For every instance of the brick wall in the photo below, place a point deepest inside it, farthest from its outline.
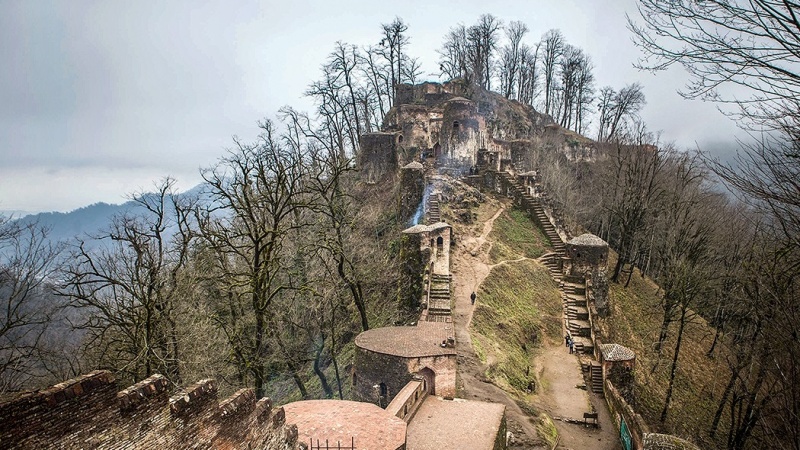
(412, 188)
(371, 369)
(378, 157)
(444, 367)
(89, 412)
(620, 409)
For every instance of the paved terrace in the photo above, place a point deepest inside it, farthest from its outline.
(456, 424)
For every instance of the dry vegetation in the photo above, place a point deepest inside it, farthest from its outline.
(634, 322)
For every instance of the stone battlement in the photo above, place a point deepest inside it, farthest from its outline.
(90, 412)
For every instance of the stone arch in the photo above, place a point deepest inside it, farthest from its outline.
(440, 243)
(400, 139)
(429, 379)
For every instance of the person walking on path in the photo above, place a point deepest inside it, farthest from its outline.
(566, 340)
(472, 297)
(571, 345)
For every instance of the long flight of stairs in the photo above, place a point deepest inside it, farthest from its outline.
(596, 377)
(439, 308)
(576, 313)
(534, 206)
(573, 289)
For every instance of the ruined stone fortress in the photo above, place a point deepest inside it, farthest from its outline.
(404, 377)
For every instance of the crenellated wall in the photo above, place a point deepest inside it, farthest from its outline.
(90, 412)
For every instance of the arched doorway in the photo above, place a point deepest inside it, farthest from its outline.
(440, 243)
(430, 379)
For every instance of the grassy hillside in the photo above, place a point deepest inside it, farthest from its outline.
(515, 236)
(634, 322)
(519, 303)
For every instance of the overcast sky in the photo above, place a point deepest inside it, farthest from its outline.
(100, 99)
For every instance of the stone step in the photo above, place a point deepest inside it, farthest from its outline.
(578, 327)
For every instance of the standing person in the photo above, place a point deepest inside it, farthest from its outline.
(571, 345)
(566, 340)
(472, 297)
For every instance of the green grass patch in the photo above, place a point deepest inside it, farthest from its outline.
(546, 430)
(518, 304)
(515, 236)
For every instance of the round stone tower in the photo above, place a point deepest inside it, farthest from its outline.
(460, 132)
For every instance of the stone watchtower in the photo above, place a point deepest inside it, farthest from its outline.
(587, 256)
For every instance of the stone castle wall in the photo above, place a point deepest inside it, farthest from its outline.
(379, 156)
(90, 412)
(396, 371)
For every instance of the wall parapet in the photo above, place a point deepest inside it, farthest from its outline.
(408, 400)
(142, 392)
(621, 410)
(90, 412)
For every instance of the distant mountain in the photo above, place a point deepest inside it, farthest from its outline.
(80, 222)
(88, 220)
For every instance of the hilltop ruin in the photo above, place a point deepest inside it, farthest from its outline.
(434, 131)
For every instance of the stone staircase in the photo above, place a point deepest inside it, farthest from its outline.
(439, 300)
(552, 261)
(534, 206)
(596, 377)
(434, 213)
(576, 314)
(573, 289)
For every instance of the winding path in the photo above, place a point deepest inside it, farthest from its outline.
(561, 375)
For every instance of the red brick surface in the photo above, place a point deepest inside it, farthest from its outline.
(371, 427)
(425, 339)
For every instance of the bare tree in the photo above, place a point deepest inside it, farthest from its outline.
(552, 45)
(605, 111)
(468, 53)
(453, 55)
(577, 86)
(750, 44)
(27, 262)
(126, 285)
(511, 59)
(746, 53)
(483, 40)
(528, 79)
(256, 189)
(616, 108)
(392, 48)
(632, 169)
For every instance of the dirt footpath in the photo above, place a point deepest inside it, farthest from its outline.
(559, 372)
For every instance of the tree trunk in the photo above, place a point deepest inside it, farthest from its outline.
(257, 364)
(674, 367)
(323, 380)
(725, 394)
